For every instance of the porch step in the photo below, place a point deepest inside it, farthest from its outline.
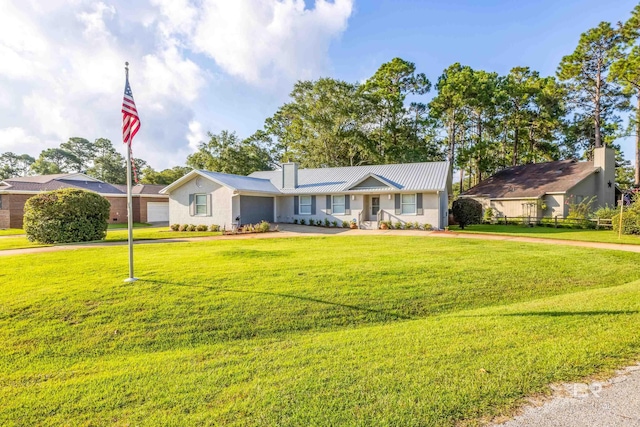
(369, 225)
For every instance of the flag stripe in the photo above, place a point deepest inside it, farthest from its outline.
(130, 119)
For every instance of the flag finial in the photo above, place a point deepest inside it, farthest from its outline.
(126, 68)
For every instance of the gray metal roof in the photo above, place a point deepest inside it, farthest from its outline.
(242, 183)
(430, 176)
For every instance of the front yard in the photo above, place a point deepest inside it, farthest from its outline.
(115, 235)
(354, 330)
(602, 236)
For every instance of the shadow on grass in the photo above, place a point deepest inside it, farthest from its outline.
(556, 313)
(290, 296)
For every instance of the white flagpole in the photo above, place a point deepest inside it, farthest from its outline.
(131, 278)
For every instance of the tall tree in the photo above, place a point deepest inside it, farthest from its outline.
(626, 71)
(13, 165)
(108, 164)
(586, 71)
(83, 151)
(392, 126)
(55, 160)
(163, 177)
(227, 153)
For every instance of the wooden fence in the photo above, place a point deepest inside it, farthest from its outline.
(556, 222)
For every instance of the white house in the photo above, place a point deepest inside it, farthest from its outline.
(413, 192)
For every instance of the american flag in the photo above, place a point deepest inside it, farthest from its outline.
(130, 119)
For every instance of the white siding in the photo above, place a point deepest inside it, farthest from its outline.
(221, 211)
(431, 204)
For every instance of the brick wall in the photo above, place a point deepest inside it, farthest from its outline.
(4, 218)
(118, 211)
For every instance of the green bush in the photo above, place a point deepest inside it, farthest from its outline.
(175, 227)
(327, 223)
(467, 212)
(295, 221)
(345, 224)
(398, 225)
(630, 220)
(606, 212)
(201, 227)
(214, 227)
(184, 227)
(334, 223)
(489, 213)
(263, 227)
(302, 221)
(65, 216)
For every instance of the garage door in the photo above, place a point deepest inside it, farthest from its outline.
(254, 209)
(157, 212)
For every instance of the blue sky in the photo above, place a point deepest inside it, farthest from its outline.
(219, 64)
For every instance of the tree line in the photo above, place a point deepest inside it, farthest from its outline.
(479, 120)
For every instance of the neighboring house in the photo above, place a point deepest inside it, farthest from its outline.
(546, 189)
(414, 192)
(148, 205)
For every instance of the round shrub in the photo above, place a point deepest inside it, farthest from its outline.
(66, 216)
(630, 220)
(467, 212)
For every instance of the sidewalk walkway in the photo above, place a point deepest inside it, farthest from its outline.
(611, 403)
(290, 230)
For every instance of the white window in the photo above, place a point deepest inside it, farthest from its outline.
(408, 204)
(201, 204)
(305, 205)
(337, 205)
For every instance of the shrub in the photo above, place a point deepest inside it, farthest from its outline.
(345, 224)
(65, 216)
(175, 227)
(416, 225)
(302, 221)
(295, 221)
(488, 214)
(202, 227)
(184, 227)
(327, 223)
(606, 212)
(427, 227)
(630, 220)
(214, 227)
(191, 227)
(319, 223)
(467, 212)
(398, 225)
(334, 223)
(263, 227)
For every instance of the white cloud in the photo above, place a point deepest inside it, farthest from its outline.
(61, 73)
(196, 134)
(16, 139)
(261, 40)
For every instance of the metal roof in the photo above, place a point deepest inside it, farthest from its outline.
(242, 183)
(430, 176)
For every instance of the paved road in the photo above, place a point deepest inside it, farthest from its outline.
(612, 403)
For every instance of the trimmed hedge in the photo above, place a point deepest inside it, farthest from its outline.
(466, 212)
(66, 216)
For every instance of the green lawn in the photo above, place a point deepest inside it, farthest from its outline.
(307, 331)
(115, 235)
(135, 224)
(11, 231)
(603, 236)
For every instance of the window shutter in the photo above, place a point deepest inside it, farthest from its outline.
(328, 205)
(398, 211)
(296, 205)
(313, 205)
(209, 204)
(347, 204)
(192, 204)
(419, 210)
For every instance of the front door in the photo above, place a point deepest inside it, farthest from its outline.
(375, 208)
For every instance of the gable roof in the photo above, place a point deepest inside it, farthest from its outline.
(429, 176)
(234, 182)
(533, 180)
(41, 183)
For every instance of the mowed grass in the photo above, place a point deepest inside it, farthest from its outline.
(602, 236)
(114, 235)
(11, 231)
(360, 330)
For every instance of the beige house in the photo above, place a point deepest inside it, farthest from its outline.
(414, 192)
(546, 189)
